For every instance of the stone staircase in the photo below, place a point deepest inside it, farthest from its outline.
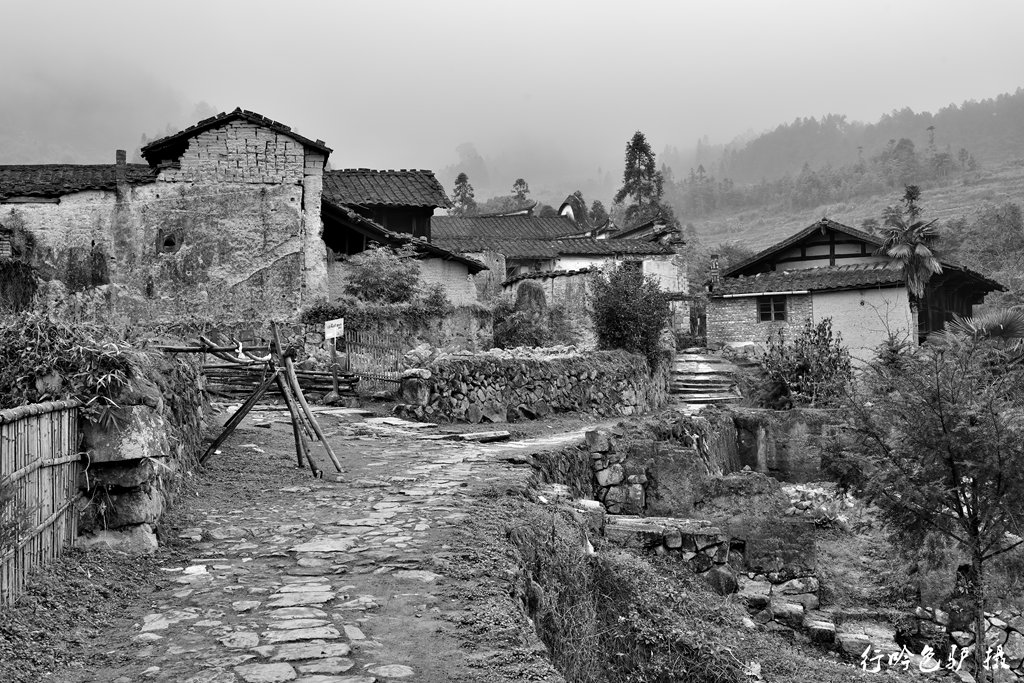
(704, 379)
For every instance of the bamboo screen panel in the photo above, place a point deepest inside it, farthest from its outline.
(39, 458)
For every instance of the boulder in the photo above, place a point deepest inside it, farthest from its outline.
(789, 613)
(722, 580)
(135, 432)
(415, 391)
(133, 540)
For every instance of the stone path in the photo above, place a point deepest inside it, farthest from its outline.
(320, 582)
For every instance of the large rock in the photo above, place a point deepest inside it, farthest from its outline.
(415, 391)
(128, 473)
(115, 510)
(135, 540)
(722, 580)
(134, 432)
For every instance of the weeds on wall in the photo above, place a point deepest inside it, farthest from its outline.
(45, 359)
(17, 286)
(528, 320)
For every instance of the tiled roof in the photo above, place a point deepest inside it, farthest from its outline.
(756, 260)
(399, 239)
(154, 151)
(502, 227)
(365, 187)
(55, 180)
(548, 274)
(543, 249)
(812, 279)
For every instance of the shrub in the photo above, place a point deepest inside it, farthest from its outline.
(813, 369)
(383, 275)
(629, 311)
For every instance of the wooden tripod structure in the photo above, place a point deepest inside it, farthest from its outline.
(279, 370)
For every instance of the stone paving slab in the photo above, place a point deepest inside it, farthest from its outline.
(296, 588)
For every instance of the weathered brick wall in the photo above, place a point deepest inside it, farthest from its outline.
(454, 276)
(241, 152)
(232, 234)
(736, 320)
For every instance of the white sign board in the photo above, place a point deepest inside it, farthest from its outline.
(334, 328)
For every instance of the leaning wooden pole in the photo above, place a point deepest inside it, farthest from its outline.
(301, 446)
(239, 415)
(289, 368)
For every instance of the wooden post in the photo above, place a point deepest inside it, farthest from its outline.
(289, 367)
(334, 365)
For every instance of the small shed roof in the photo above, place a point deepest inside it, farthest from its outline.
(367, 187)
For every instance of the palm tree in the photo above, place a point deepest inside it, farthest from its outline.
(1004, 326)
(910, 243)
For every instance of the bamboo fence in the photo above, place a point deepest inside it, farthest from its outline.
(39, 457)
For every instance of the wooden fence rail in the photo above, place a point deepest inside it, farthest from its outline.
(39, 458)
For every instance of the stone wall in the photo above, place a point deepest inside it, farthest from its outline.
(138, 454)
(736, 319)
(787, 444)
(501, 386)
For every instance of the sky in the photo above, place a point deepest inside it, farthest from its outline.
(545, 90)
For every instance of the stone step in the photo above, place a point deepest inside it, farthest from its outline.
(707, 398)
(703, 379)
(702, 386)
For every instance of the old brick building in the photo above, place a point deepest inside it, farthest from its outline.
(830, 270)
(225, 221)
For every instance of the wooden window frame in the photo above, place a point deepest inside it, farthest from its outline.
(772, 308)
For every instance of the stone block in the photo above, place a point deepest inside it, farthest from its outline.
(789, 613)
(820, 631)
(722, 580)
(853, 644)
(598, 441)
(806, 584)
(126, 474)
(115, 510)
(135, 540)
(673, 538)
(611, 476)
(755, 594)
(136, 432)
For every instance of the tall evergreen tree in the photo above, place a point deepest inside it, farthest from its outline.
(520, 189)
(642, 182)
(462, 197)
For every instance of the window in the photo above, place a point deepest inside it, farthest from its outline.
(771, 308)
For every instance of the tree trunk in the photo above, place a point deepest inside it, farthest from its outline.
(977, 586)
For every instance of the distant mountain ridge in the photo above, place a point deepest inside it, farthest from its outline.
(991, 129)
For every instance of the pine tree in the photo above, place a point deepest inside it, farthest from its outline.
(520, 189)
(642, 182)
(462, 195)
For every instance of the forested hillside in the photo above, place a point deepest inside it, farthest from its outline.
(967, 159)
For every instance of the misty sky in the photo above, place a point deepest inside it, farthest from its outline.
(549, 90)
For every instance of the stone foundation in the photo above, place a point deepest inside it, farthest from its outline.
(138, 454)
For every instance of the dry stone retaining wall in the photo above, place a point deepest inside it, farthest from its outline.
(137, 457)
(501, 386)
